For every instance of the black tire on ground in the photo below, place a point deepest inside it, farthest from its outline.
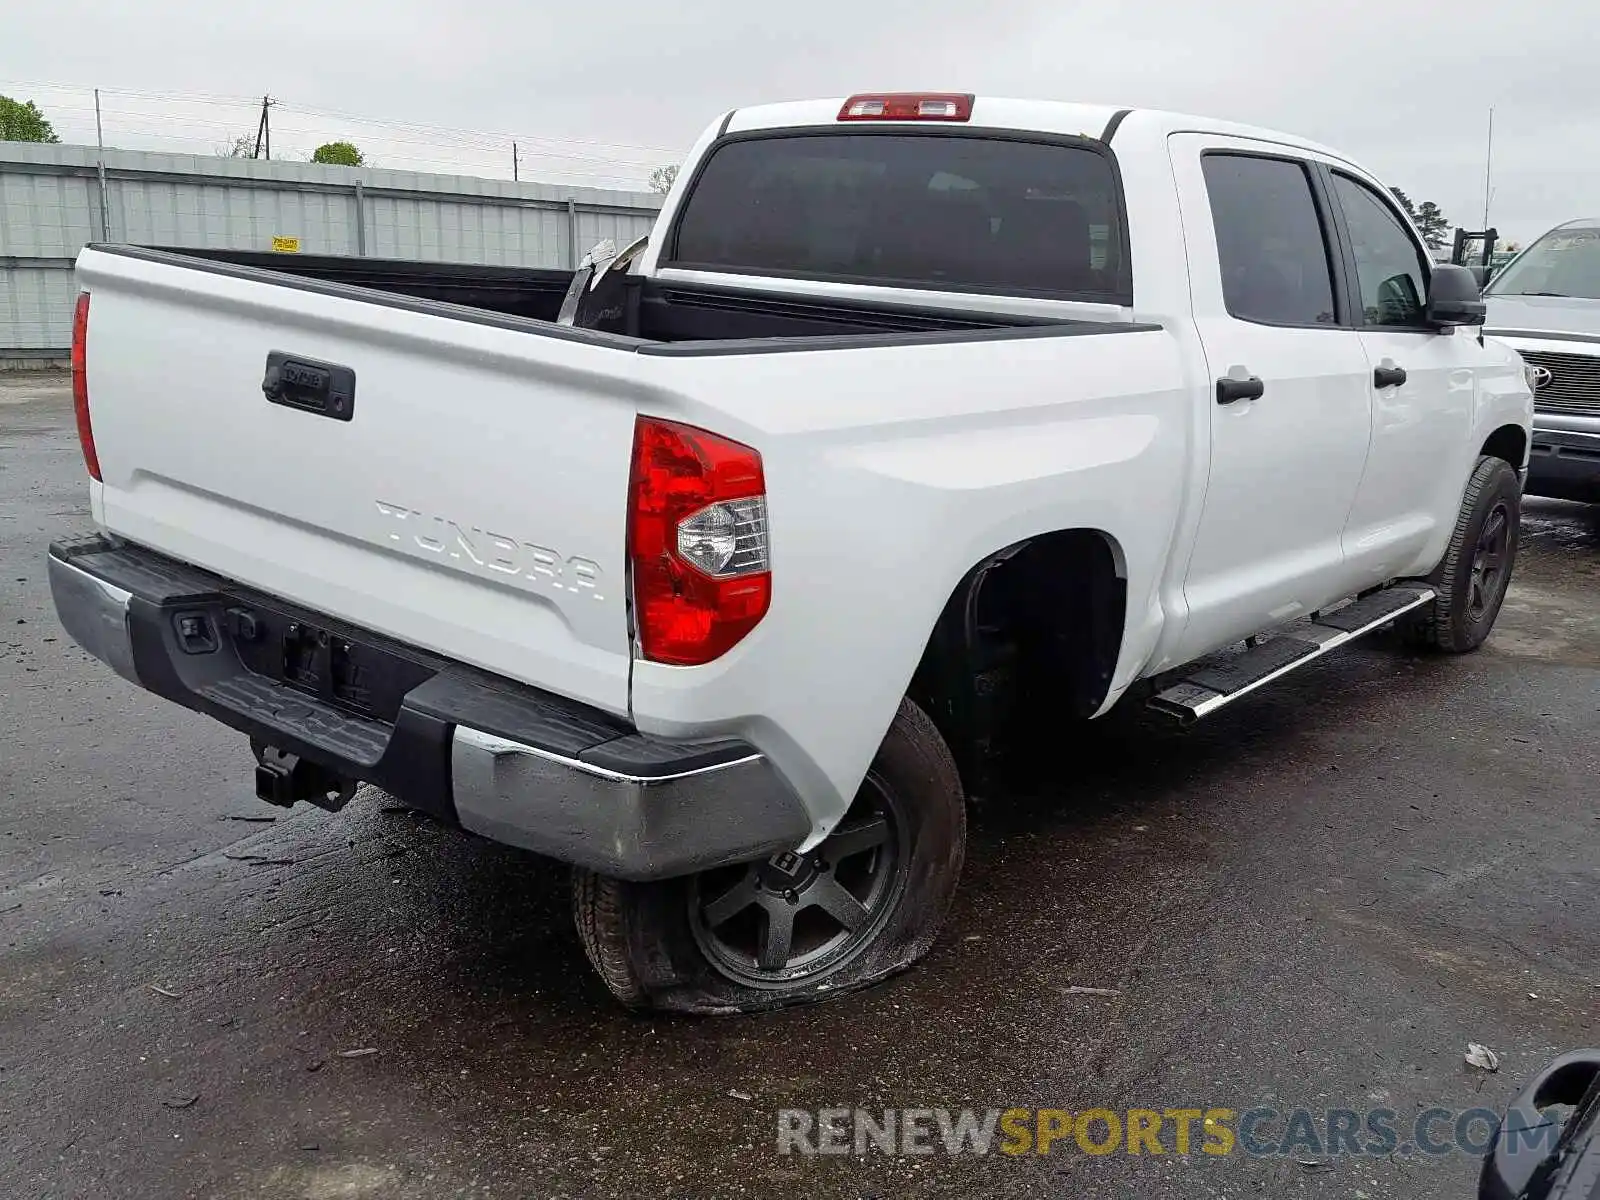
(1472, 578)
(680, 945)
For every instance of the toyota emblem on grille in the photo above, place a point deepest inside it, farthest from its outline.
(1539, 378)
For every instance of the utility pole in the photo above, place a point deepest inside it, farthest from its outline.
(1488, 166)
(514, 175)
(264, 128)
(100, 147)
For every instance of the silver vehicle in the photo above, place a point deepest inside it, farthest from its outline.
(1546, 304)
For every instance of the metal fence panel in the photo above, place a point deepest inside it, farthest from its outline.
(50, 207)
(442, 231)
(43, 216)
(162, 213)
(36, 306)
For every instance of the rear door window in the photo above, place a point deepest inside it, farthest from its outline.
(948, 212)
(1270, 240)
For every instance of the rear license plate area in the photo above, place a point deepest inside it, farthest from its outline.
(354, 672)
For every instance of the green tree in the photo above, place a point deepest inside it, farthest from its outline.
(338, 154)
(1431, 224)
(23, 122)
(662, 179)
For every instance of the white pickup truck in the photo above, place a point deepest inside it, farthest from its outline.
(922, 426)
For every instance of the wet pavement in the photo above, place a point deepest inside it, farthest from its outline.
(1316, 899)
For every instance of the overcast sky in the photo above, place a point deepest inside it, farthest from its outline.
(619, 85)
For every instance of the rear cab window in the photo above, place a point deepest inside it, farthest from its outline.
(943, 211)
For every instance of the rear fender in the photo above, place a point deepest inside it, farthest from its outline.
(882, 500)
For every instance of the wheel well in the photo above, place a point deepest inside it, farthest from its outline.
(1028, 640)
(1509, 442)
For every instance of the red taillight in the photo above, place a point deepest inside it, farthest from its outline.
(697, 540)
(908, 106)
(80, 383)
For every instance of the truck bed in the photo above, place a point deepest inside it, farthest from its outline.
(653, 311)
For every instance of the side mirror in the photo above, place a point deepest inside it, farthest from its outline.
(1454, 298)
(1481, 274)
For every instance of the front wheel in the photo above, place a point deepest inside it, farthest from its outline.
(1472, 578)
(864, 904)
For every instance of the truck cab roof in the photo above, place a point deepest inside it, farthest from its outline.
(1064, 118)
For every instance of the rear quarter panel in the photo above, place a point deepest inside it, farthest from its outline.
(891, 472)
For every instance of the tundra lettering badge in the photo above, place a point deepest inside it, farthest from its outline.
(474, 548)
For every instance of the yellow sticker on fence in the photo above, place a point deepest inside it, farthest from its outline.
(286, 245)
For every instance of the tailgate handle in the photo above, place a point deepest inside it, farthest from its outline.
(325, 389)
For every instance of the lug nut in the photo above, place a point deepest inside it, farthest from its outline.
(791, 895)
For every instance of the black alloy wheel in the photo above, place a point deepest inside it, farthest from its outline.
(1489, 561)
(799, 916)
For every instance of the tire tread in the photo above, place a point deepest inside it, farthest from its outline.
(1437, 629)
(599, 912)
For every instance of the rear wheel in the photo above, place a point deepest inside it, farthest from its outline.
(864, 904)
(1472, 578)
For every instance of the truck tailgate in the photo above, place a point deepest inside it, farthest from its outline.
(469, 497)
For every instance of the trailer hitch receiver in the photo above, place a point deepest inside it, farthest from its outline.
(285, 779)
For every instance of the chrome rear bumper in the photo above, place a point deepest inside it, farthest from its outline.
(501, 759)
